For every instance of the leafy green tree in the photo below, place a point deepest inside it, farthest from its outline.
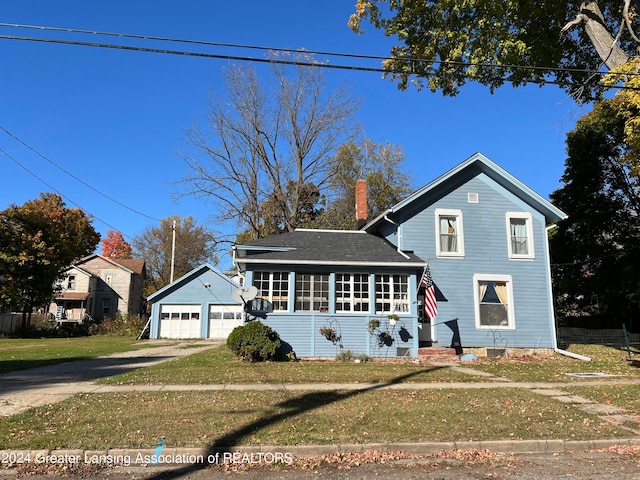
(268, 143)
(595, 250)
(451, 42)
(38, 241)
(380, 165)
(194, 245)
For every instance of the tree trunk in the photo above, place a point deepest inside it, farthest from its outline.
(604, 43)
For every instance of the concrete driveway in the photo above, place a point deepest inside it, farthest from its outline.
(25, 389)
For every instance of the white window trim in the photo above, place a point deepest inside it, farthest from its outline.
(271, 292)
(452, 213)
(392, 294)
(313, 294)
(351, 296)
(529, 224)
(479, 277)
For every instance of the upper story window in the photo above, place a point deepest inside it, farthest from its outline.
(71, 282)
(392, 293)
(493, 295)
(520, 235)
(352, 292)
(449, 236)
(274, 287)
(312, 292)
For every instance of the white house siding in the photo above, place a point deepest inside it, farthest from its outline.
(486, 252)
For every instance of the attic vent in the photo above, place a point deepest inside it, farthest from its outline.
(472, 197)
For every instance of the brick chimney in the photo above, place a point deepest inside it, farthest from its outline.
(362, 214)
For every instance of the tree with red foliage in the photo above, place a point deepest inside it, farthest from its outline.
(115, 245)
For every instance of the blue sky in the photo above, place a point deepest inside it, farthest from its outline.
(116, 118)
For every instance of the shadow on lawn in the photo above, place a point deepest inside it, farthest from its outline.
(23, 374)
(295, 406)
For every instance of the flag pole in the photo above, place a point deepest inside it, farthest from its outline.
(424, 271)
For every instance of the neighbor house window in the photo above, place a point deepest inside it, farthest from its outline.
(493, 295)
(312, 292)
(352, 292)
(520, 235)
(71, 282)
(274, 287)
(392, 293)
(449, 237)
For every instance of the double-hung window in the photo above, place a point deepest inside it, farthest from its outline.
(312, 292)
(352, 292)
(392, 293)
(520, 235)
(493, 295)
(274, 287)
(449, 236)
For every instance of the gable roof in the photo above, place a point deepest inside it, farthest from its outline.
(129, 264)
(471, 167)
(186, 278)
(325, 247)
(135, 265)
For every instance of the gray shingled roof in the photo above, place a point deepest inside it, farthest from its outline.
(329, 247)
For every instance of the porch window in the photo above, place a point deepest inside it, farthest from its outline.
(274, 287)
(352, 292)
(312, 292)
(106, 306)
(449, 237)
(392, 293)
(494, 301)
(520, 238)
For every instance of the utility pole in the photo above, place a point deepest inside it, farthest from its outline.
(173, 251)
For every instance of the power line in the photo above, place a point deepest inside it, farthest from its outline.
(291, 62)
(5, 153)
(311, 52)
(75, 177)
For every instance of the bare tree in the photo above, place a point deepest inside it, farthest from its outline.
(267, 141)
(194, 246)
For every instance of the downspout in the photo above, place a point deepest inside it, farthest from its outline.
(399, 236)
(553, 315)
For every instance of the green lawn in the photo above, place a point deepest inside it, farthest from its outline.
(609, 360)
(21, 353)
(297, 418)
(224, 418)
(220, 366)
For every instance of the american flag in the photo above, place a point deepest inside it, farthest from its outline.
(430, 305)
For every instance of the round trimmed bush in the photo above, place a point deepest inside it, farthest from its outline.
(254, 341)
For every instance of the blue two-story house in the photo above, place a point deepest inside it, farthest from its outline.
(481, 233)
(484, 235)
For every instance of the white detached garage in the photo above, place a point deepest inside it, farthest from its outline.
(197, 305)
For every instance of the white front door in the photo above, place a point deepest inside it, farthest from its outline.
(223, 319)
(179, 321)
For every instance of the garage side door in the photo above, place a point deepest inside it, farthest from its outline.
(223, 319)
(180, 321)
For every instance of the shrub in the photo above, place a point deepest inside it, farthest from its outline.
(254, 341)
(344, 356)
(124, 325)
